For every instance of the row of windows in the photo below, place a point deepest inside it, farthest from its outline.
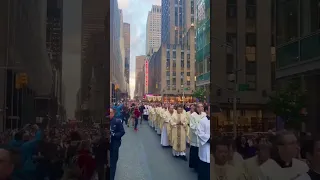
(251, 9)
(174, 55)
(181, 74)
(174, 64)
(188, 83)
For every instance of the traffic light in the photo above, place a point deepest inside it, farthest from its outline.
(218, 93)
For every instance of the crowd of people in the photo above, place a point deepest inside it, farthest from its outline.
(34, 153)
(285, 155)
(179, 126)
(86, 153)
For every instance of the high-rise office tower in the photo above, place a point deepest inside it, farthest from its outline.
(93, 21)
(126, 37)
(247, 26)
(139, 88)
(203, 45)
(153, 31)
(177, 52)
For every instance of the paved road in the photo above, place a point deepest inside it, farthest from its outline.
(142, 158)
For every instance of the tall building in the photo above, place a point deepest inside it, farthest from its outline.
(297, 51)
(177, 17)
(248, 24)
(116, 59)
(203, 45)
(153, 31)
(54, 47)
(126, 37)
(93, 21)
(25, 69)
(139, 88)
(176, 54)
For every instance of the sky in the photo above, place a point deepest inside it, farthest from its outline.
(135, 12)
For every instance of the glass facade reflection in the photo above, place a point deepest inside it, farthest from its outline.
(203, 43)
(298, 31)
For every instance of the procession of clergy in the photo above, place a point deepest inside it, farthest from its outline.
(178, 127)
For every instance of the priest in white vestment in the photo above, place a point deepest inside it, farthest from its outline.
(284, 166)
(203, 132)
(221, 169)
(252, 165)
(165, 126)
(194, 139)
(179, 133)
(192, 110)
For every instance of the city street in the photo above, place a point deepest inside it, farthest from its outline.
(142, 157)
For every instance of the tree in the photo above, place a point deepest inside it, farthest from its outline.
(199, 94)
(287, 103)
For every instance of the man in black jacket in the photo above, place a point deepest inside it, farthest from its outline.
(116, 133)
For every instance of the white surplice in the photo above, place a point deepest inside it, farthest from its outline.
(272, 171)
(164, 135)
(203, 133)
(194, 122)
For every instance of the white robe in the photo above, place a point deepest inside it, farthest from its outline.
(272, 171)
(203, 133)
(194, 122)
(164, 135)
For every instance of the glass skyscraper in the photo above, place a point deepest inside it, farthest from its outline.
(203, 45)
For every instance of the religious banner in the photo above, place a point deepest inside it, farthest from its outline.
(159, 98)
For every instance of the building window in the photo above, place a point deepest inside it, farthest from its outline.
(182, 55)
(251, 2)
(251, 12)
(168, 54)
(174, 81)
(174, 54)
(230, 37)
(188, 64)
(231, 11)
(251, 39)
(173, 73)
(188, 73)
(229, 64)
(188, 57)
(188, 83)
(309, 16)
(168, 73)
(182, 64)
(287, 23)
(251, 81)
(251, 67)
(287, 55)
(174, 64)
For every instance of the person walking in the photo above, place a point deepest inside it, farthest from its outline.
(116, 132)
(136, 115)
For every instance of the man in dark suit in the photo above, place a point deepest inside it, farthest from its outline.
(116, 133)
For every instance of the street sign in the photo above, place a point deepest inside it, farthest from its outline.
(230, 100)
(243, 87)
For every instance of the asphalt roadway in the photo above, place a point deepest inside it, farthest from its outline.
(141, 157)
